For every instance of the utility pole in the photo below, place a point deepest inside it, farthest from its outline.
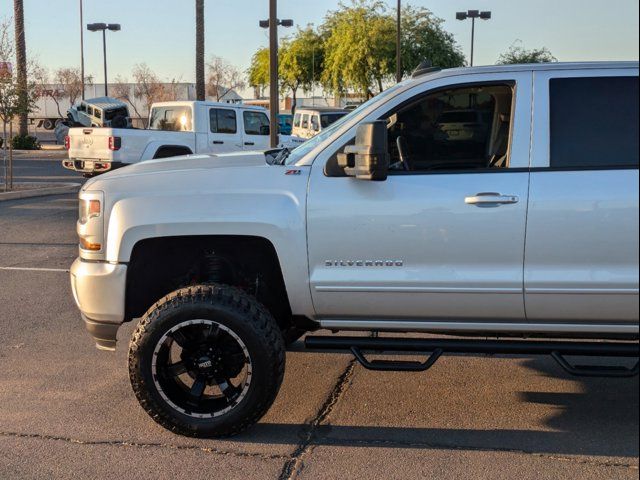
(272, 25)
(398, 49)
(273, 72)
(81, 50)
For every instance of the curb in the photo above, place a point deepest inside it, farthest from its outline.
(40, 192)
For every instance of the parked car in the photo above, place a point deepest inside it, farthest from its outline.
(99, 112)
(308, 122)
(175, 128)
(285, 121)
(366, 228)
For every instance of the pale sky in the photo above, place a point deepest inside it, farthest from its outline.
(161, 32)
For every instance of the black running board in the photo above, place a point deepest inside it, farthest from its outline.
(434, 348)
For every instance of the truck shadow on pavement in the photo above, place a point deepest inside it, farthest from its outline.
(601, 420)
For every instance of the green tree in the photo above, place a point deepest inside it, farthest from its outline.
(359, 47)
(300, 62)
(518, 54)
(424, 38)
(258, 71)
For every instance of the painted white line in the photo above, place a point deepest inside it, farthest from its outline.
(34, 269)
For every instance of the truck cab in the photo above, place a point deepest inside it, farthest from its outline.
(524, 231)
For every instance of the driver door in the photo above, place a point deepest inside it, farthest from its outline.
(428, 244)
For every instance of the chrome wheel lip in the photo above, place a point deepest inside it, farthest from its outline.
(217, 413)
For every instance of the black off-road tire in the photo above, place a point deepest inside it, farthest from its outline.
(236, 310)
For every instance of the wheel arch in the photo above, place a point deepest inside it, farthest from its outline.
(160, 265)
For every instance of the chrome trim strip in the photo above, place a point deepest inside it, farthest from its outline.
(582, 291)
(493, 327)
(375, 289)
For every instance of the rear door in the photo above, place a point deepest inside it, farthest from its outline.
(581, 258)
(224, 134)
(256, 130)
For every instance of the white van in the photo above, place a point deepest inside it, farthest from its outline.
(308, 122)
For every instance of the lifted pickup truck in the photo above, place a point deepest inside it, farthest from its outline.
(529, 236)
(175, 128)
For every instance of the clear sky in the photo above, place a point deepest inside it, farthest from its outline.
(161, 32)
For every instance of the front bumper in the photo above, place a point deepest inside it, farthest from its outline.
(99, 291)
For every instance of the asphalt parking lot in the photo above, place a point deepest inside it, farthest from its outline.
(67, 410)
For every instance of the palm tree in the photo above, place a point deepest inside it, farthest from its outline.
(200, 94)
(21, 64)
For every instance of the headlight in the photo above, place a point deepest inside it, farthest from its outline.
(89, 209)
(90, 221)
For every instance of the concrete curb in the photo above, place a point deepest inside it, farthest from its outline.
(40, 192)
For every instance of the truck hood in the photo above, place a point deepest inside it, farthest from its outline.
(182, 163)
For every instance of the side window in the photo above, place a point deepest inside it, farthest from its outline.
(315, 123)
(296, 120)
(256, 123)
(305, 121)
(593, 122)
(464, 128)
(222, 120)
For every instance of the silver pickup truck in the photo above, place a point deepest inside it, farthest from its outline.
(523, 229)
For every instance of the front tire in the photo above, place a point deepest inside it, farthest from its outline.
(207, 361)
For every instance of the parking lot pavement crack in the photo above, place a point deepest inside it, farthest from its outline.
(132, 444)
(445, 446)
(295, 462)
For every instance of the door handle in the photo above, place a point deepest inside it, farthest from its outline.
(218, 142)
(249, 143)
(490, 199)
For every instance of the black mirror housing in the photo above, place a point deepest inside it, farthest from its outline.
(368, 159)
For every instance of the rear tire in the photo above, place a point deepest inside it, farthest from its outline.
(246, 344)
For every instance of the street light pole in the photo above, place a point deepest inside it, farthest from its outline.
(272, 25)
(103, 27)
(398, 52)
(273, 72)
(473, 14)
(81, 50)
(104, 57)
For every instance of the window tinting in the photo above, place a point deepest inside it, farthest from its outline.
(594, 122)
(465, 128)
(255, 123)
(327, 119)
(222, 120)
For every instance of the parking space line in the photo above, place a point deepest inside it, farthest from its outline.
(36, 269)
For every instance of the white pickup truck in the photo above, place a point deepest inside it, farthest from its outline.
(175, 128)
(378, 223)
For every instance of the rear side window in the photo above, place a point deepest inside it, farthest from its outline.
(594, 122)
(222, 120)
(315, 125)
(256, 123)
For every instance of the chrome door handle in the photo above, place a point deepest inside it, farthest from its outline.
(489, 199)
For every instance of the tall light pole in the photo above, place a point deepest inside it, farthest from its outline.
(81, 50)
(103, 27)
(398, 50)
(473, 14)
(272, 25)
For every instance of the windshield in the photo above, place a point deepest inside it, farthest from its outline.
(299, 152)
